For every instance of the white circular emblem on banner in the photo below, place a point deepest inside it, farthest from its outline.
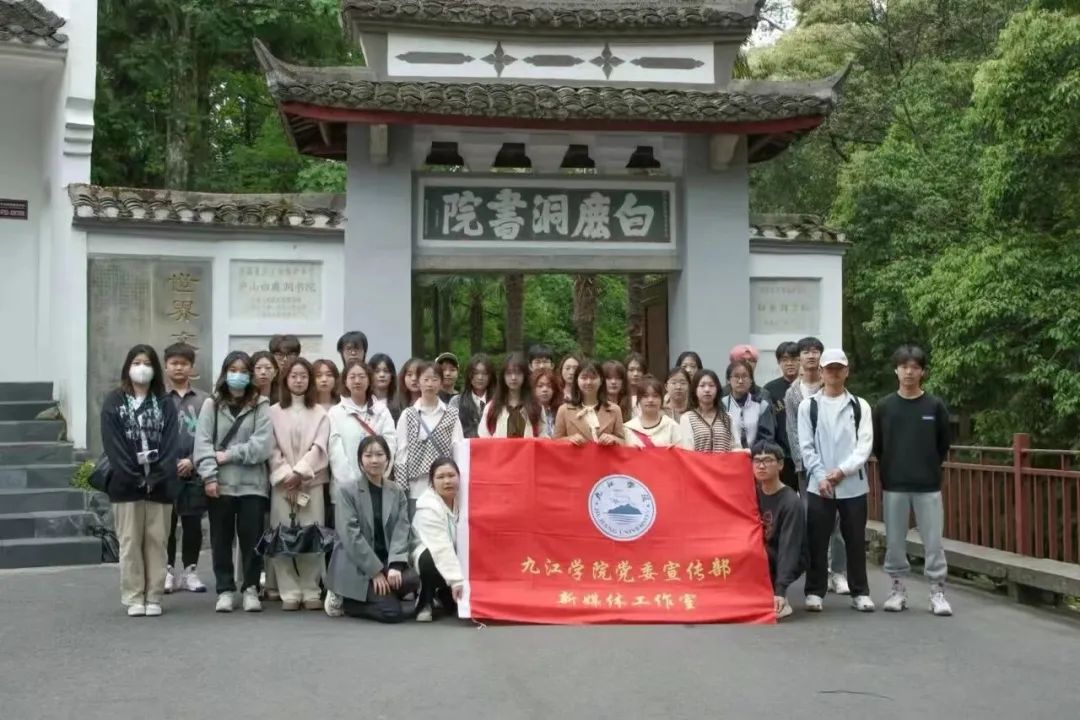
(622, 507)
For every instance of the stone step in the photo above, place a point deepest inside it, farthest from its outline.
(21, 477)
(23, 409)
(21, 501)
(25, 391)
(30, 431)
(35, 453)
(44, 552)
(45, 523)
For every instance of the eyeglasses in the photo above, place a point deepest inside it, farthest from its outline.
(764, 461)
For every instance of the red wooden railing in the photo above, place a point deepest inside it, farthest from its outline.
(1019, 499)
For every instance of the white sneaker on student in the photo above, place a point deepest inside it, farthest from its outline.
(153, 610)
(332, 604)
(425, 614)
(813, 603)
(863, 603)
(136, 610)
(225, 602)
(938, 604)
(784, 611)
(251, 600)
(897, 600)
(838, 584)
(170, 580)
(191, 582)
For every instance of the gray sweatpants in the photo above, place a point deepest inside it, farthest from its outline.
(837, 551)
(929, 519)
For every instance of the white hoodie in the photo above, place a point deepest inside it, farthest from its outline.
(435, 530)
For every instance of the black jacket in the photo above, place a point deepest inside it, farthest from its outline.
(127, 481)
(469, 414)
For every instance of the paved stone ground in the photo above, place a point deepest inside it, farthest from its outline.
(67, 650)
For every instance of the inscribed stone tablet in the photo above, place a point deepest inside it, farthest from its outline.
(275, 290)
(784, 306)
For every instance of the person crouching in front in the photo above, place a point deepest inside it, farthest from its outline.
(435, 541)
(369, 569)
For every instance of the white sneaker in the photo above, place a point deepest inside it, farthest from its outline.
(225, 602)
(251, 600)
(332, 604)
(863, 603)
(424, 615)
(938, 604)
(153, 610)
(191, 582)
(170, 581)
(813, 603)
(838, 584)
(136, 610)
(784, 611)
(897, 600)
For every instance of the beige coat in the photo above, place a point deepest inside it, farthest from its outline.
(301, 436)
(573, 420)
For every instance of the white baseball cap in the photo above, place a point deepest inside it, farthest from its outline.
(833, 356)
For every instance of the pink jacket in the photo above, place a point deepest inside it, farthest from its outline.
(301, 436)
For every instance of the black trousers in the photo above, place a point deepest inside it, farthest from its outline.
(384, 608)
(433, 585)
(820, 520)
(242, 519)
(192, 542)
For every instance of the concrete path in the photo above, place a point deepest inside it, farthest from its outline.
(68, 651)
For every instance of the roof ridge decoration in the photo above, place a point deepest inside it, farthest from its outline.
(557, 16)
(355, 88)
(317, 211)
(31, 23)
(322, 211)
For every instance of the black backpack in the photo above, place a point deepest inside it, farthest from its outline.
(856, 413)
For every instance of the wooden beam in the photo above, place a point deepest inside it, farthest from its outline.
(324, 130)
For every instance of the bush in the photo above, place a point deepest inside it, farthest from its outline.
(81, 478)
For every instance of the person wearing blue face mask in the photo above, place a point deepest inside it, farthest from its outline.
(233, 441)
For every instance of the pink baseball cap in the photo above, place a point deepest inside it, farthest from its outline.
(743, 352)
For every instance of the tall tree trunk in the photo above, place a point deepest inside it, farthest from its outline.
(436, 317)
(446, 320)
(515, 312)
(178, 132)
(585, 294)
(476, 316)
(417, 321)
(635, 312)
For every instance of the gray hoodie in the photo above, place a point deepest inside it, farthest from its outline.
(245, 472)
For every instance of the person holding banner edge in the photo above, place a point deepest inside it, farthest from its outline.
(783, 523)
(588, 416)
(434, 552)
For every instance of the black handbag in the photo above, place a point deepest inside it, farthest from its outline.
(191, 499)
(101, 475)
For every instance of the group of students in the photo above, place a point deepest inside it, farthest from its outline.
(283, 442)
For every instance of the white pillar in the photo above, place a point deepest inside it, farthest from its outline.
(378, 243)
(709, 300)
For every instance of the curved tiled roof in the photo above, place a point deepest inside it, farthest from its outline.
(794, 228)
(356, 88)
(31, 23)
(558, 16)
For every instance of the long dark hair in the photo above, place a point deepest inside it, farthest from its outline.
(310, 394)
(370, 380)
(367, 442)
(588, 366)
(698, 377)
(221, 388)
(690, 354)
(475, 363)
(335, 389)
(406, 398)
(615, 369)
(272, 393)
(157, 383)
(514, 361)
(383, 359)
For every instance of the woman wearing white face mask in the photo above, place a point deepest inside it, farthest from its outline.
(140, 435)
(233, 441)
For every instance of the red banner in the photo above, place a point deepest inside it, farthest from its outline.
(552, 533)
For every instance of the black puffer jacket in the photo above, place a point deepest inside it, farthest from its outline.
(128, 481)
